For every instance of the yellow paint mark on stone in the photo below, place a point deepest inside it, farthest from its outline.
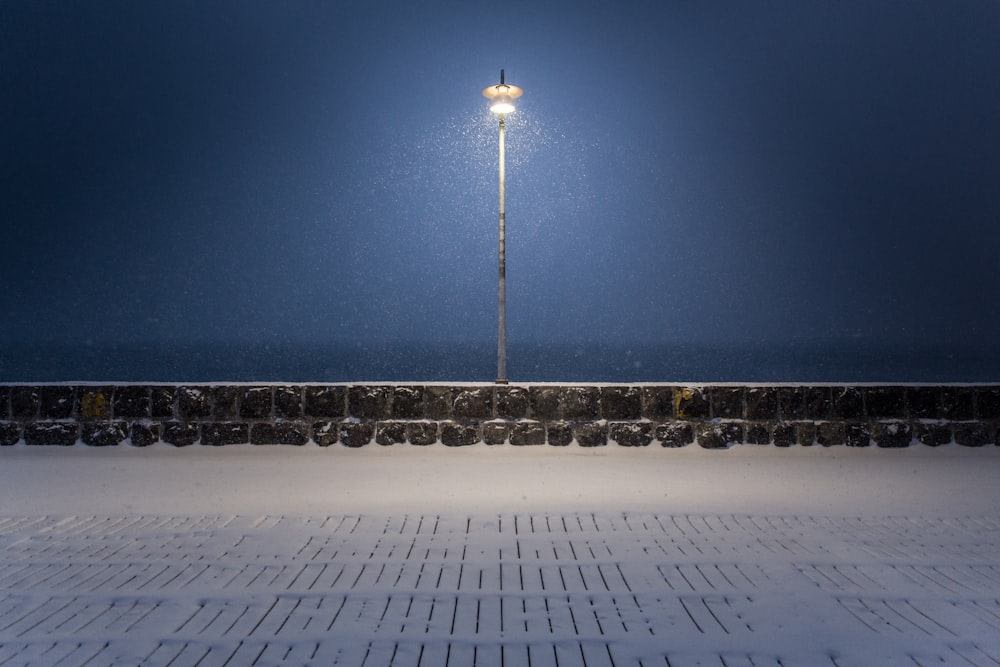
(679, 396)
(94, 405)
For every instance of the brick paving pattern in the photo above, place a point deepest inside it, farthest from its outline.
(566, 590)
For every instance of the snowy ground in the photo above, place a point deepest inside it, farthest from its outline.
(499, 556)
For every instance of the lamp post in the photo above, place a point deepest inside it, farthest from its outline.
(501, 97)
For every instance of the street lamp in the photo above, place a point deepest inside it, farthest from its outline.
(501, 97)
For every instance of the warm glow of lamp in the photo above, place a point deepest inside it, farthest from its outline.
(502, 96)
(502, 104)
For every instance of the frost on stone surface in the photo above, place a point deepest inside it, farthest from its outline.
(631, 434)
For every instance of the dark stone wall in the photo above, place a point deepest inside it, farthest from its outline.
(711, 416)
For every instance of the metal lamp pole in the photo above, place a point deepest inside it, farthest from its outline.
(502, 276)
(502, 98)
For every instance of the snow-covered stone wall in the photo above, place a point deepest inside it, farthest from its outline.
(588, 415)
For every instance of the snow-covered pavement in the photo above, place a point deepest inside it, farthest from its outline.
(499, 556)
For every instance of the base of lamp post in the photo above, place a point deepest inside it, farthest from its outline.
(500, 382)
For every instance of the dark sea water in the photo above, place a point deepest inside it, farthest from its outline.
(217, 362)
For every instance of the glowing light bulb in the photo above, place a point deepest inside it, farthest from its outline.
(502, 105)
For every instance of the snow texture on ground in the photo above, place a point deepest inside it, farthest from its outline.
(499, 556)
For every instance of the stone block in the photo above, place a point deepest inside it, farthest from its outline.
(104, 434)
(892, 434)
(437, 402)
(496, 432)
(525, 433)
(581, 403)
(631, 433)
(829, 434)
(422, 433)
(10, 433)
(225, 433)
(691, 403)
(932, 435)
(472, 403)
(988, 403)
(459, 435)
(356, 434)
(924, 402)
(325, 401)
(512, 402)
(288, 402)
(957, 403)
(886, 402)
(719, 435)
(162, 401)
(658, 403)
(757, 433)
(57, 402)
(256, 402)
(544, 402)
(132, 402)
(973, 434)
(369, 402)
(407, 402)
(805, 433)
(727, 402)
(818, 403)
(225, 403)
(52, 433)
(857, 434)
(791, 403)
(144, 434)
(24, 403)
(279, 433)
(761, 403)
(674, 434)
(95, 403)
(180, 434)
(390, 433)
(849, 403)
(618, 403)
(4, 402)
(784, 435)
(194, 403)
(559, 434)
(326, 433)
(591, 434)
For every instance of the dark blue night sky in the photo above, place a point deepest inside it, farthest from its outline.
(307, 190)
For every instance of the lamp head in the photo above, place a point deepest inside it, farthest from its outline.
(502, 96)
